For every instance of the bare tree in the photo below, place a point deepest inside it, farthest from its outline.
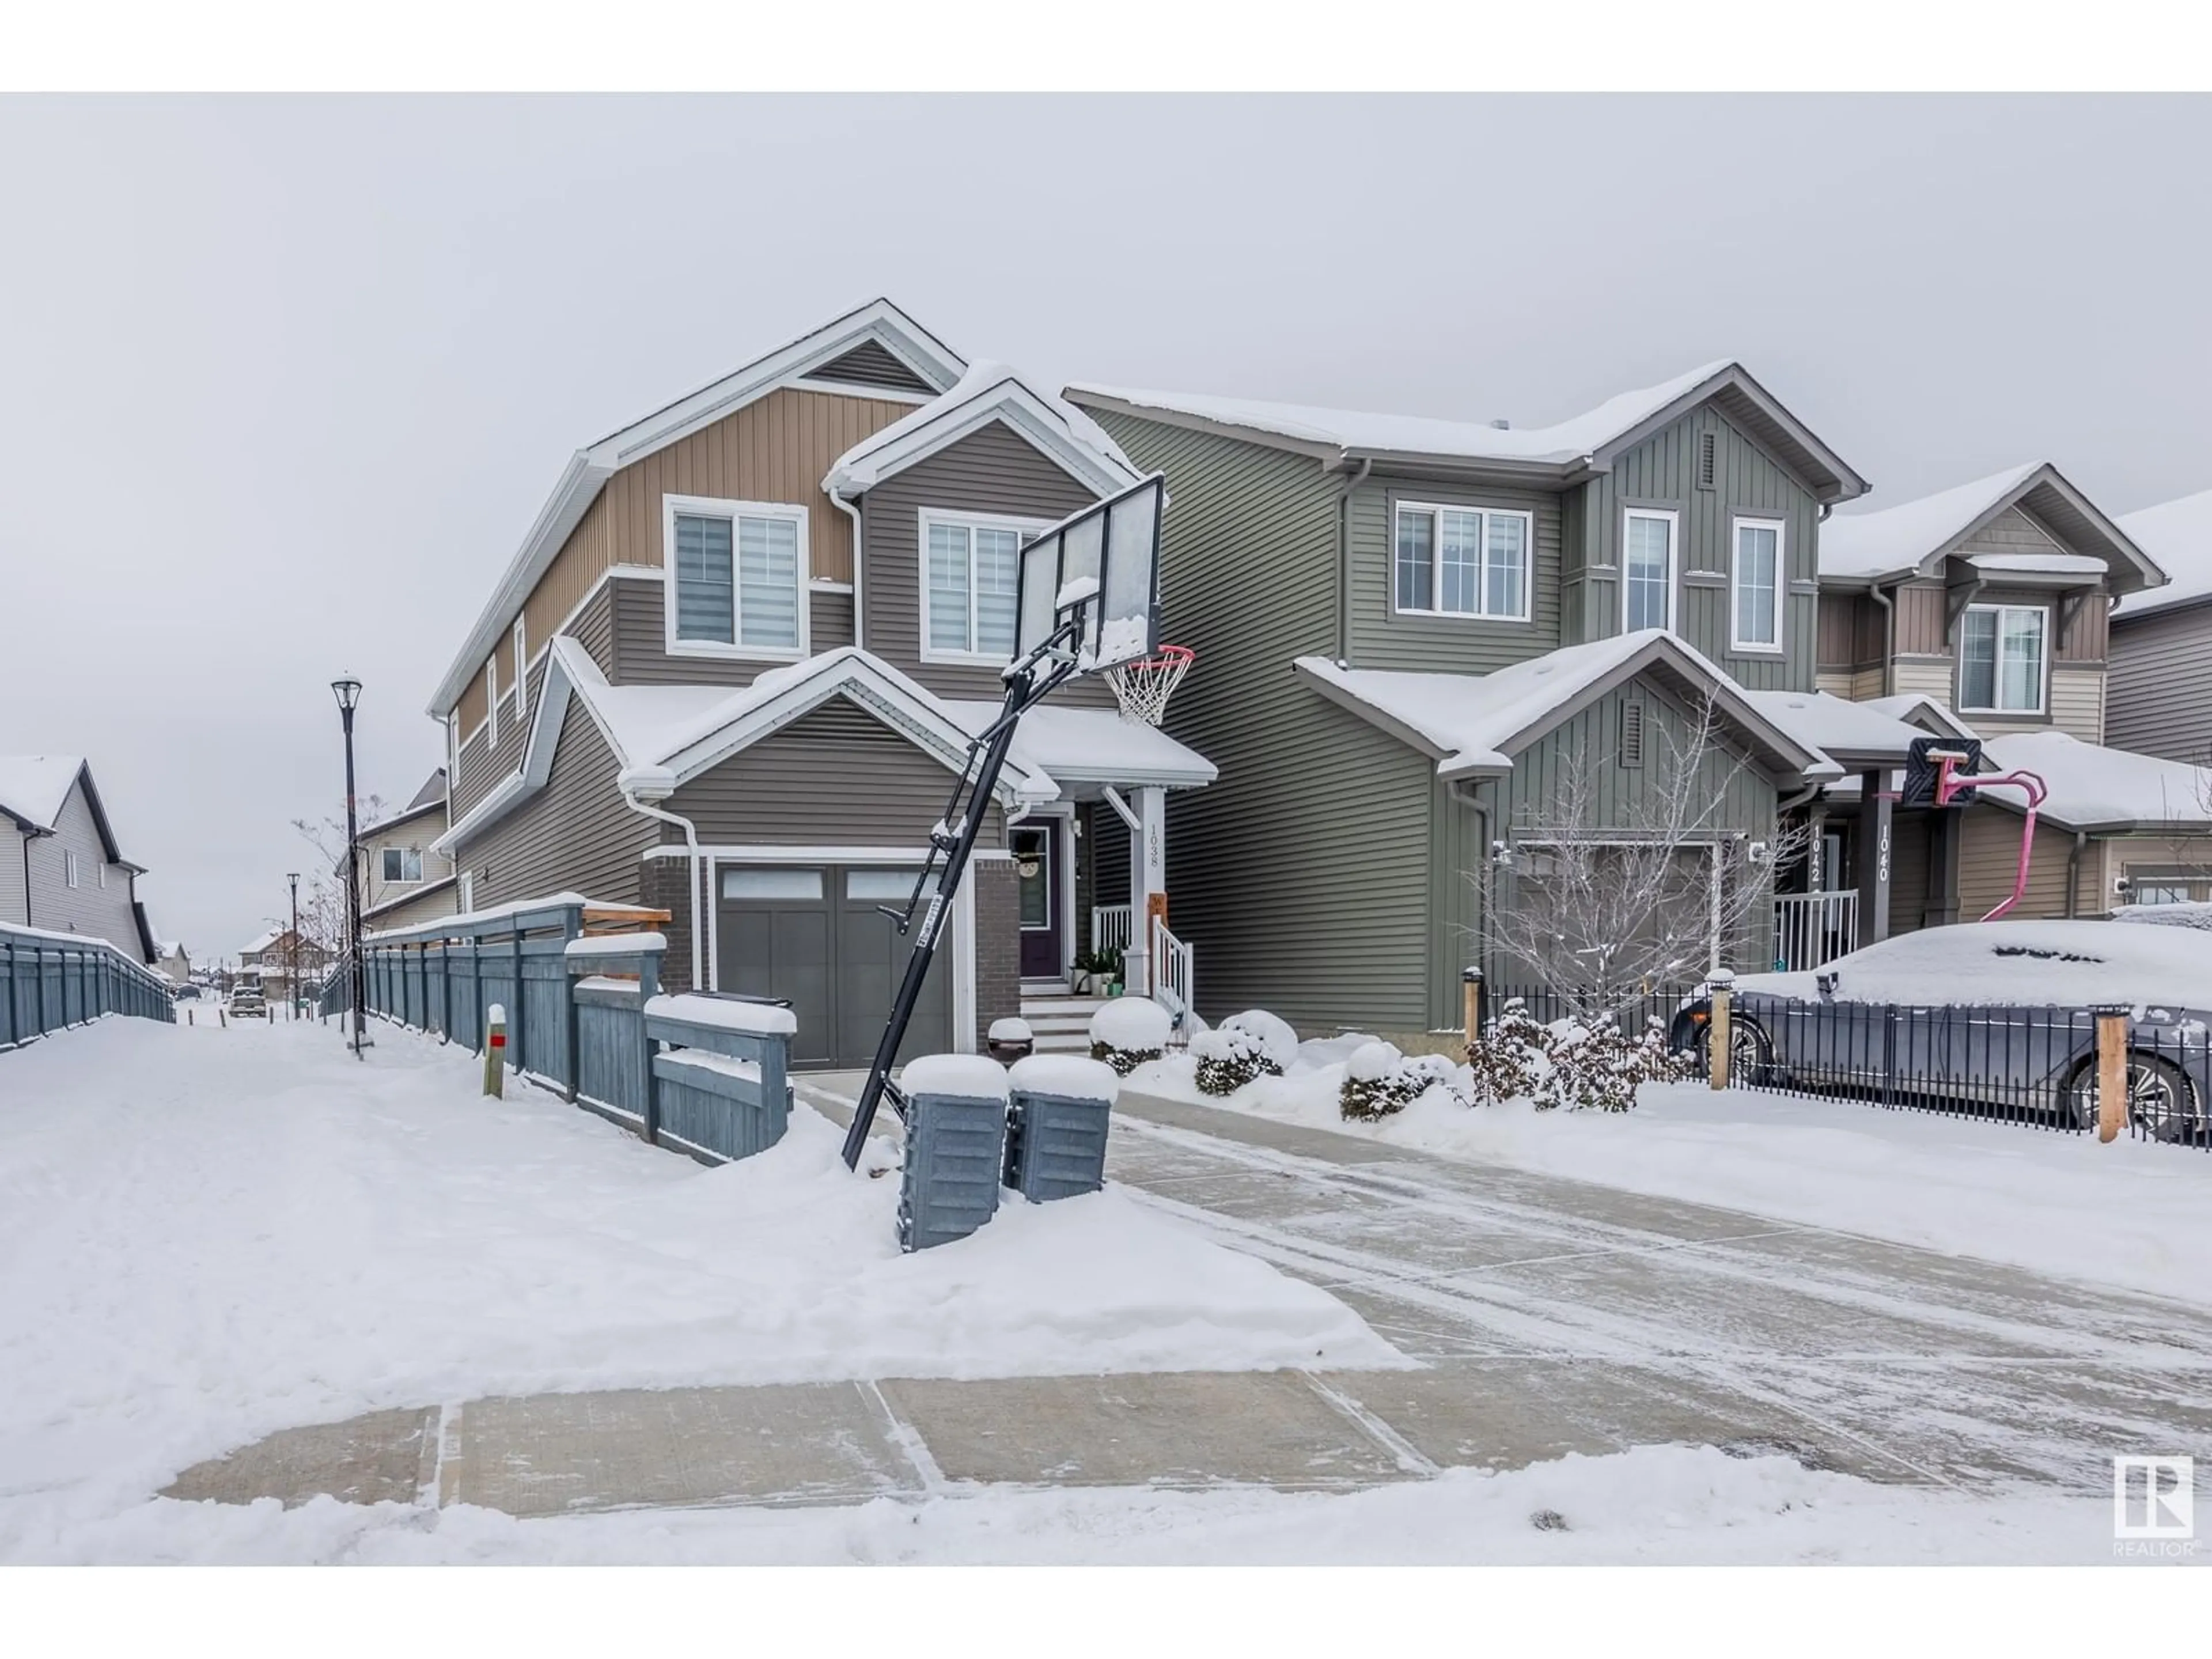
(1606, 906)
(324, 922)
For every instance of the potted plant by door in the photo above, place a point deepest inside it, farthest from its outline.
(1093, 970)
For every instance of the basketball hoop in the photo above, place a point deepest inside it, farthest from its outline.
(1143, 687)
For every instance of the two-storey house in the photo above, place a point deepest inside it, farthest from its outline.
(404, 879)
(734, 669)
(1411, 632)
(60, 868)
(2159, 699)
(1989, 608)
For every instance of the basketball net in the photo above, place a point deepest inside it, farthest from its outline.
(1143, 687)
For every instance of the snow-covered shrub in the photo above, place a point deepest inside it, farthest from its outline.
(1428, 1071)
(1275, 1037)
(1128, 1031)
(1378, 1080)
(1511, 1059)
(1230, 1057)
(1601, 1070)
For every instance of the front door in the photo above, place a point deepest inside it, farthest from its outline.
(1036, 869)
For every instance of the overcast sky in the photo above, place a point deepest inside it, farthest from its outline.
(284, 382)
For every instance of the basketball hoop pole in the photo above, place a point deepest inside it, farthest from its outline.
(2028, 783)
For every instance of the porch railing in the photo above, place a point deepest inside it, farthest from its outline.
(1171, 970)
(1110, 928)
(1812, 929)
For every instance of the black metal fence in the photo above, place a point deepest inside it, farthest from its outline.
(1548, 1004)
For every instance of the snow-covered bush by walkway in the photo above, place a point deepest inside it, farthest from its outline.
(1128, 1031)
(1379, 1081)
(1570, 1067)
(1232, 1055)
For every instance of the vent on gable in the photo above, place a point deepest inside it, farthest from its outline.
(869, 364)
(1632, 733)
(1708, 444)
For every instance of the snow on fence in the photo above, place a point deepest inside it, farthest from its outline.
(49, 982)
(701, 1074)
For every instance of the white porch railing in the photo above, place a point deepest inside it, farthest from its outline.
(1110, 928)
(1811, 930)
(1171, 971)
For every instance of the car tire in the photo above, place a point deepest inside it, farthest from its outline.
(1751, 1052)
(2161, 1103)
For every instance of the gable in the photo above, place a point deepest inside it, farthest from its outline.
(871, 364)
(2011, 531)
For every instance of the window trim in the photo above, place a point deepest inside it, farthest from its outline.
(68, 866)
(1435, 608)
(403, 879)
(924, 519)
(521, 639)
(715, 507)
(491, 697)
(1673, 516)
(1737, 524)
(2042, 708)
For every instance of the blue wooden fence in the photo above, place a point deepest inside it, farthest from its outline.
(704, 1075)
(49, 982)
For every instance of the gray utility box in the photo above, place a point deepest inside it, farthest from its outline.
(1056, 1145)
(950, 1187)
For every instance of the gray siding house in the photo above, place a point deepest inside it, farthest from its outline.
(1409, 629)
(60, 868)
(734, 669)
(2158, 701)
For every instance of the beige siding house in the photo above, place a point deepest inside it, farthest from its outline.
(404, 879)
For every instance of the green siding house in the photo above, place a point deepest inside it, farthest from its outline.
(1411, 634)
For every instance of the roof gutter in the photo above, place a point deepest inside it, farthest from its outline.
(851, 510)
(1888, 603)
(2074, 874)
(692, 862)
(1344, 554)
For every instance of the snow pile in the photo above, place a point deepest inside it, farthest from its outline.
(723, 1013)
(1066, 1077)
(2188, 914)
(1128, 1031)
(206, 1236)
(617, 945)
(959, 1077)
(1380, 1082)
(2073, 964)
(2092, 788)
(1013, 1029)
(1276, 1041)
(2177, 535)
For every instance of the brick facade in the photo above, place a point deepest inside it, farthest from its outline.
(660, 886)
(998, 942)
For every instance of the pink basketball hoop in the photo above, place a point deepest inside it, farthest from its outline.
(1143, 687)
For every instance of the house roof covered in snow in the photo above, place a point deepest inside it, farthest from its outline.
(1854, 735)
(260, 942)
(35, 789)
(1558, 453)
(878, 325)
(1093, 745)
(430, 798)
(1475, 724)
(2178, 535)
(2105, 791)
(1914, 538)
(988, 392)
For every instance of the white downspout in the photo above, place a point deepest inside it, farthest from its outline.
(852, 511)
(691, 841)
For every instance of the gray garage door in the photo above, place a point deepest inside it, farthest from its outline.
(813, 934)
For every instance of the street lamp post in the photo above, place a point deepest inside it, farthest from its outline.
(292, 982)
(348, 692)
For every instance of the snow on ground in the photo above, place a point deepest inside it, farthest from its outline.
(2133, 1213)
(206, 1235)
(2074, 964)
(1655, 1505)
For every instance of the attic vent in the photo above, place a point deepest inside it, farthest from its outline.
(1708, 457)
(1632, 734)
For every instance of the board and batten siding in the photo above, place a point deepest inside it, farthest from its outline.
(1301, 877)
(1384, 637)
(778, 448)
(2158, 699)
(1662, 472)
(834, 776)
(992, 470)
(573, 835)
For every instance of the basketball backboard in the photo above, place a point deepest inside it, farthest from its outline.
(1100, 567)
(1923, 768)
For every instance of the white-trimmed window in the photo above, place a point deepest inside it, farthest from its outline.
(2004, 658)
(970, 575)
(1647, 567)
(468, 892)
(737, 577)
(1755, 585)
(68, 866)
(521, 673)
(491, 697)
(99, 872)
(1461, 562)
(403, 864)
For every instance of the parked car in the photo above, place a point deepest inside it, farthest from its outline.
(246, 1002)
(1996, 1014)
(187, 993)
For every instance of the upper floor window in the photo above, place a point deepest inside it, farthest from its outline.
(1755, 585)
(970, 575)
(1647, 569)
(1463, 561)
(521, 673)
(491, 698)
(403, 864)
(68, 866)
(2003, 652)
(737, 577)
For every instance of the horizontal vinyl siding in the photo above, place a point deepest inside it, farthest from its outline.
(829, 620)
(88, 908)
(1301, 877)
(641, 645)
(11, 874)
(2135, 856)
(484, 763)
(1383, 638)
(428, 907)
(835, 776)
(1836, 683)
(1922, 679)
(594, 627)
(992, 470)
(2159, 699)
(1989, 858)
(573, 835)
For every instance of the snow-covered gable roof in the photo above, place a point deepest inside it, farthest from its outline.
(1916, 536)
(1588, 440)
(2104, 790)
(1475, 724)
(589, 468)
(1093, 745)
(260, 942)
(2178, 535)
(1856, 735)
(986, 392)
(1926, 713)
(34, 788)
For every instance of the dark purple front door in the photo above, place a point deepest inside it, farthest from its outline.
(1037, 873)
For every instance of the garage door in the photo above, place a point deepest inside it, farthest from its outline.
(813, 936)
